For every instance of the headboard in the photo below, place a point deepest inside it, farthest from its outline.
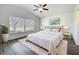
(56, 28)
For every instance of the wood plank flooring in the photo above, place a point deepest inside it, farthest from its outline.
(14, 47)
(72, 48)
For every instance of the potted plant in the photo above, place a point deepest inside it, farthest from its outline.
(5, 33)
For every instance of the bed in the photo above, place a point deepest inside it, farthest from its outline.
(47, 40)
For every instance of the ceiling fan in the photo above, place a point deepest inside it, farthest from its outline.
(40, 7)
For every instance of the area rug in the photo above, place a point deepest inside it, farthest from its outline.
(61, 50)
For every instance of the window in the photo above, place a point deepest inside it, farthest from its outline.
(29, 25)
(20, 24)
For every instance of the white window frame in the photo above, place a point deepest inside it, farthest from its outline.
(14, 26)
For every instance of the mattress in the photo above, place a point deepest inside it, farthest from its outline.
(47, 40)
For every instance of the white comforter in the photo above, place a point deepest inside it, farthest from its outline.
(48, 40)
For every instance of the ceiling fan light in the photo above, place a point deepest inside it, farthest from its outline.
(40, 9)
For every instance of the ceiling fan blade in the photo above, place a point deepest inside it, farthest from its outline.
(44, 5)
(40, 5)
(45, 9)
(35, 9)
(36, 6)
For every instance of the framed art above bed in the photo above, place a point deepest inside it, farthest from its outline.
(54, 20)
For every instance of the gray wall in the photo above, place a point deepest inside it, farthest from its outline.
(66, 19)
(12, 10)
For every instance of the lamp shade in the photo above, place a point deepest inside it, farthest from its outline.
(66, 29)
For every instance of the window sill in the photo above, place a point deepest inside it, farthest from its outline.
(19, 32)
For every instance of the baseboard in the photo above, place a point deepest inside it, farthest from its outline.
(19, 38)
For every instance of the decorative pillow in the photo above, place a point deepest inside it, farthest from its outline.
(47, 30)
(55, 30)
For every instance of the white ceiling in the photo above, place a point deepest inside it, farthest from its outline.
(53, 9)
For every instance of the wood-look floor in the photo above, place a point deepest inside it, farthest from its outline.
(72, 48)
(14, 47)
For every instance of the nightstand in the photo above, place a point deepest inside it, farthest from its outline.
(67, 35)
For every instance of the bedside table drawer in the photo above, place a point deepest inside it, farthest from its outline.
(67, 36)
